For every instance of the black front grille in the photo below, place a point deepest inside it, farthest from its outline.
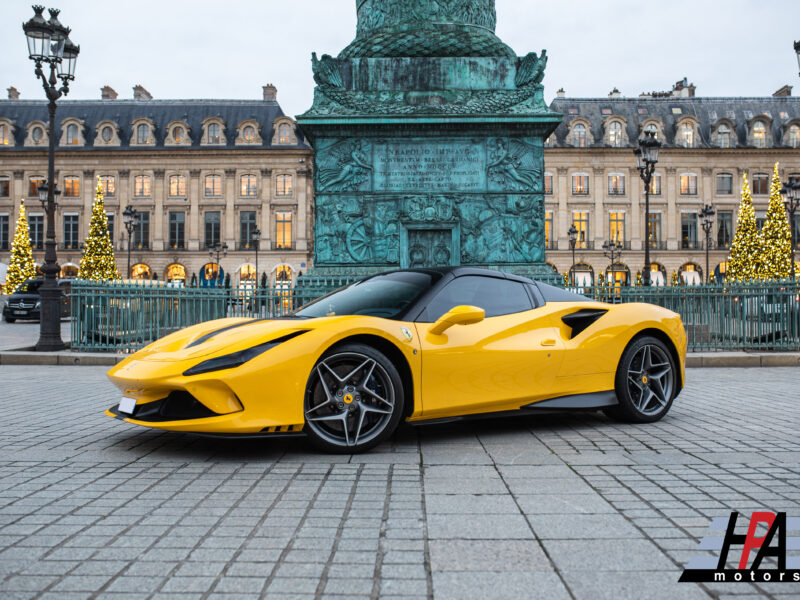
(178, 406)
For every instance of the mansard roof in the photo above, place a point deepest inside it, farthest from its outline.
(161, 112)
(708, 111)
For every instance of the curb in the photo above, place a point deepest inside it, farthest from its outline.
(85, 359)
(742, 359)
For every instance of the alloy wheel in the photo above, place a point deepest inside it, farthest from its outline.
(650, 379)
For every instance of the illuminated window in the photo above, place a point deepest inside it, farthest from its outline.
(5, 137)
(249, 133)
(688, 184)
(615, 134)
(72, 134)
(655, 185)
(579, 135)
(213, 185)
(793, 137)
(654, 230)
(177, 185)
(548, 184)
(724, 183)
(34, 183)
(249, 186)
(178, 134)
(5, 187)
(175, 273)
(616, 185)
(760, 183)
(724, 136)
(72, 187)
(686, 135)
(580, 184)
(759, 135)
(580, 219)
(247, 276)
(177, 230)
(616, 226)
(141, 271)
(247, 225)
(213, 133)
(284, 134)
(283, 230)
(548, 229)
(143, 133)
(283, 185)
(141, 185)
(108, 185)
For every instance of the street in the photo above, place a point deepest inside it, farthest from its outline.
(556, 506)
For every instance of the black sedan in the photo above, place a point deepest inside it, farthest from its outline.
(25, 303)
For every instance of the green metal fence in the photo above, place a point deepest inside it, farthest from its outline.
(124, 317)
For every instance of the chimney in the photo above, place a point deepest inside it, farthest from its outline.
(561, 93)
(683, 89)
(108, 93)
(139, 93)
(615, 93)
(785, 90)
(270, 92)
(13, 93)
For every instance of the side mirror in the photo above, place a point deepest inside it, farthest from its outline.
(458, 315)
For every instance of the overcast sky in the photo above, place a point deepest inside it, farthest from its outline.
(203, 49)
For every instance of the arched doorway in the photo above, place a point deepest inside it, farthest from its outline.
(283, 287)
(247, 276)
(618, 275)
(211, 275)
(691, 274)
(68, 270)
(141, 271)
(175, 274)
(581, 275)
(658, 275)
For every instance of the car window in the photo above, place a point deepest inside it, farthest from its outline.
(31, 286)
(495, 296)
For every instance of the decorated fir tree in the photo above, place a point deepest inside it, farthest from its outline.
(744, 261)
(776, 237)
(21, 266)
(98, 262)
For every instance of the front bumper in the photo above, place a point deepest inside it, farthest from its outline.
(12, 312)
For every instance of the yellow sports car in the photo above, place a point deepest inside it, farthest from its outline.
(413, 345)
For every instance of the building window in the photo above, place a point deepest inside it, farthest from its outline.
(106, 133)
(34, 183)
(249, 187)
(654, 231)
(616, 226)
(689, 230)
(178, 133)
(141, 235)
(761, 218)
(110, 221)
(177, 230)
(724, 184)
(36, 226)
(249, 134)
(141, 185)
(72, 187)
(283, 230)
(724, 228)
(37, 133)
(615, 134)
(579, 135)
(761, 183)
(686, 135)
(688, 184)
(549, 242)
(212, 230)
(4, 232)
(759, 135)
(580, 185)
(71, 232)
(548, 184)
(796, 227)
(655, 185)
(213, 133)
(616, 185)
(247, 225)
(143, 133)
(580, 219)
(108, 186)
(5, 187)
(284, 134)
(5, 137)
(213, 185)
(72, 134)
(141, 271)
(793, 137)
(283, 185)
(177, 185)
(724, 136)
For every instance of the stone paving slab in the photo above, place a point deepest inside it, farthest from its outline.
(561, 506)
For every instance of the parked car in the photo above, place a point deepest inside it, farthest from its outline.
(25, 302)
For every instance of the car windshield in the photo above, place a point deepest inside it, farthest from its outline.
(30, 287)
(384, 296)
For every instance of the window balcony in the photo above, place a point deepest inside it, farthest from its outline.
(283, 246)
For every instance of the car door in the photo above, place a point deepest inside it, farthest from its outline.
(501, 363)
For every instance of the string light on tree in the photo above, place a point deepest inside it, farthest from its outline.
(745, 258)
(20, 267)
(98, 262)
(776, 236)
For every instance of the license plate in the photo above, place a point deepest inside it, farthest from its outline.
(127, 405)
(20, 312)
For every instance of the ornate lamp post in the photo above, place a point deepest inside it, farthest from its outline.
(255, 237)
(707, 214)
(792, 192)
(797, 51)
(130, 217)
(646, 159)
(214, 252)
(573, 239)
(49, 43)
(612, 249)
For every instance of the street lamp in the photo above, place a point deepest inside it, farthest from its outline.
(797, 51)
(215, 251)
(612, 249)
(49, 43)
(130, 217)
(646, 159)
(573, 239)
(792, 192)
(707, 214)
(255, 237)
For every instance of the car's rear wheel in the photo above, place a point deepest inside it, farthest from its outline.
(353, 400)
(646, 382)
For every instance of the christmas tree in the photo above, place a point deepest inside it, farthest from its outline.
(776, 236)
(21, 266)
(744, 261)
(98, 262)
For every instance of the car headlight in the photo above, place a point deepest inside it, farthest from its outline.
(38, 304)
(237, 359)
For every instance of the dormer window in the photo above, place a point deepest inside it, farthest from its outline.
(686, 135)
(249, 134)
(178, 134)
(284, 134)
(793, 136)
(579, 135)
(615, 134)
(107, 133)
(724, 136)
(72, 134)
(37, 134)
(759, 135)
(213, 133)
(143, 133)
(5, 135)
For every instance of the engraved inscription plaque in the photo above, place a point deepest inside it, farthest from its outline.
(434, 165)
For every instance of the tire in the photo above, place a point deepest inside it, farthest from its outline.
(353, 401)
(9, 320)
(646, 382)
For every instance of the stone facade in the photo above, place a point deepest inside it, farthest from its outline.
(202, 170)
(708, 143)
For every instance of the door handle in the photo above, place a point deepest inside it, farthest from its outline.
(548, 342)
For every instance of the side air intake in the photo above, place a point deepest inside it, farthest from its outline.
(581, 319)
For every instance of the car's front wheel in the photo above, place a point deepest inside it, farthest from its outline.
(354, 399)
(646, 382)
(9, 319)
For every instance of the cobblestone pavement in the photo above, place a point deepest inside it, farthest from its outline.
(24, 334)
(563, 506)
